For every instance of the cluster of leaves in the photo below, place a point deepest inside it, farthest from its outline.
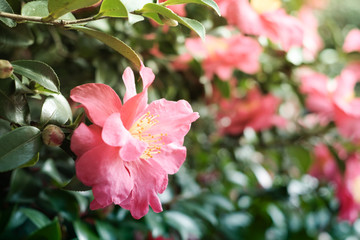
(254, 190)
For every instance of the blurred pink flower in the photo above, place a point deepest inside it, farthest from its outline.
(129, 150)
(346, 104)
(352, 41)
(325, 167)
(319, 96)
(255, 110)
(312, 42)
(263, 18)
(348, 191)
(221, 56)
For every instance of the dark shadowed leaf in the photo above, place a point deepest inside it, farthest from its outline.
(5, 7)
(51, 231)
(38, 218)
(18, 147)
(114, 43)
(76, 185)
(19, 36)
(39, 72)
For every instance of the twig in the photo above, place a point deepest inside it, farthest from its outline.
(21, 18)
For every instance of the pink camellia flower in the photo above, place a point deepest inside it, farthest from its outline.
(348, 191)
(352, 41)
(325, 167)
(263, 18)
(346, 104)
(221, 56)
(312, 42)
(129, 150)
(319, 94)
(255, 110)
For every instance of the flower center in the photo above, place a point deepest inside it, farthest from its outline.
(139, 130)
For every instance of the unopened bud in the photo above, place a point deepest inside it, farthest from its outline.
(6, 69)
(52, 135)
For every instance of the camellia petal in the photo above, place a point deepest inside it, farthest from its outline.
(85, 138)
(171, 157)
(175, 119)
(129, 81)
(99, 101)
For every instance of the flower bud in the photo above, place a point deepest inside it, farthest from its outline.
(6, 69)
(52, 135)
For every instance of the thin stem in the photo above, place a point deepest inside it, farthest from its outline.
(21, 18)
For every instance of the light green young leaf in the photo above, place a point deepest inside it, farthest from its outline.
(209, 3)
(18, 147)
(5, 7)
(112, 42)
(39, 72)
(113, 8)
(55, 109)
(165, 12)
(132, 5)
(40, 9)
(57, 8)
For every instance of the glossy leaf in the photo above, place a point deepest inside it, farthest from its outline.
(113, 8)
(5, 7)
(32, 162)
(18, 147)
(40, 9)
(165, 12)
(209, 3)
(75, 185)
(13, 106)
(38, 218)
(39, 72)
(114, 43)
(56, 109)
(50, 231)
(83, 232)
(57, 8)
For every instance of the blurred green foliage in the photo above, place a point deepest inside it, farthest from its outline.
(253, 186)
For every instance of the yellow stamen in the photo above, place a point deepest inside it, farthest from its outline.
(139, 131)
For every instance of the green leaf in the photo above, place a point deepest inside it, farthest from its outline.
(132, 5)
(32, 162)
(13, 106)
(18, 147)
(75, 185)
(167, 13)
(183, 223)
(209, 3)
(83, 232)
(112, 42)
(38, 218)
(57, 8)
(19, 36)
(5, 7)
(300, 156)
(56, 109)
(40, 9)
(39, 72)
(113, 8)
(51, 231)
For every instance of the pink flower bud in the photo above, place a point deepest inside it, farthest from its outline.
(6, 69)
(52, 135)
